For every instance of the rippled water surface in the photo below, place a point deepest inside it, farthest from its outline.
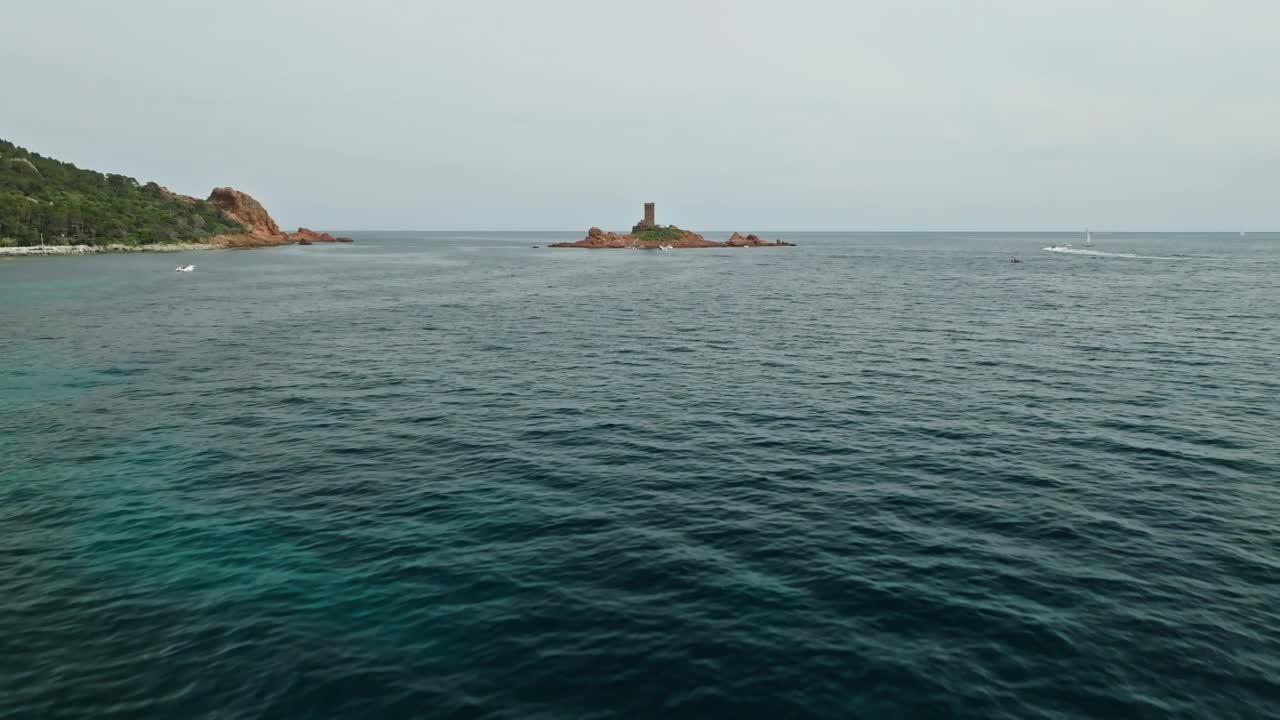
(437, 475)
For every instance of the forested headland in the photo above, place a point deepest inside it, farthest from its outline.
(42, 199)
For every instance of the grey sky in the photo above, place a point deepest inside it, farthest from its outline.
(749, 115)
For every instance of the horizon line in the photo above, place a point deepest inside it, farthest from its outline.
(830, 231)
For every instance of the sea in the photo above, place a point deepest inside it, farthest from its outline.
(455, 475)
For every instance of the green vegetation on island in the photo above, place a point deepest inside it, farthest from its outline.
(65, 205)
(657, 233)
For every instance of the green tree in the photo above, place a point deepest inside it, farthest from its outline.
(68, 204)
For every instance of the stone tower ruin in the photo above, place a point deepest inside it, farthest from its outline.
(648, 214)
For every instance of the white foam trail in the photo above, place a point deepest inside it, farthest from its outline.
(1099, 253)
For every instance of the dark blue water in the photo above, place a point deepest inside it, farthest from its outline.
(433, 475)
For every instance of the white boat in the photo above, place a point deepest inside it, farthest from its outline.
(1067, 247)
(185, 268)
(666, 247)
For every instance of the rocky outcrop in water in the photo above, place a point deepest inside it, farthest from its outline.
(736, 240)
(306, 236)
(647, 234)
(260, 228)
(597, 238)
(670, 236)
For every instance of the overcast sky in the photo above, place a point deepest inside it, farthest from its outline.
(742, 114)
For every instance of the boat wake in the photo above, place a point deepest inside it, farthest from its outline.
(1100, 253)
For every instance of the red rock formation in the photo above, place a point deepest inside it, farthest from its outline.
(736, 240)
(687, 240)
(260, 228)
(311, 236)
(597, 238)
(248, 212)
(305, 236)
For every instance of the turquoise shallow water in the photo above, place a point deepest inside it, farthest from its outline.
(450, 475)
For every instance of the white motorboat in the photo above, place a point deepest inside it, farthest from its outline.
(185, 268)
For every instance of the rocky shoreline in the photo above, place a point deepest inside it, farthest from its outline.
(225, 242)
(45, 250)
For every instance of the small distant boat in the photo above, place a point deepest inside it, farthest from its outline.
(666, 247)
(185, 268)
(1015, 260)
(1088, 239)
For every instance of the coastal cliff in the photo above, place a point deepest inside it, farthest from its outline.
(244, 209)
(260, 228)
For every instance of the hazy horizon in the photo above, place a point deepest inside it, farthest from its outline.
(813, 116)
(768, 233)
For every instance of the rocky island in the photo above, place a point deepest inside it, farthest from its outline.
(647, 234)
(48, 207)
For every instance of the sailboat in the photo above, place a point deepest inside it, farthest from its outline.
(1088, 238)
